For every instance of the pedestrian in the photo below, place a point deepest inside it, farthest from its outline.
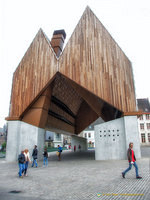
(132, 161)
(27, 160)
(79, 147)
(74, 148)
(45, 159)
(59, 152)
(34, 155)
(21, 163)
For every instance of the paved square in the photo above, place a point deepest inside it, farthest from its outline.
(78, 176)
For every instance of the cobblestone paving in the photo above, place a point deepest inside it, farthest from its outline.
(78, 177)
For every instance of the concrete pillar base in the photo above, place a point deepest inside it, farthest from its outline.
(23, 136)
(112, 138)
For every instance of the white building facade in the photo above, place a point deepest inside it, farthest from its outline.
(89, 135)
(144, 128)
(53, 139)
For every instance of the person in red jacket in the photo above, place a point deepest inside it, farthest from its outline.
(131, 159)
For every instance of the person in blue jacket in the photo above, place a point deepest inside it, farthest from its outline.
(21, 163)
(59, 151)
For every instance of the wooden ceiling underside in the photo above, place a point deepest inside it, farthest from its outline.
(72, 107)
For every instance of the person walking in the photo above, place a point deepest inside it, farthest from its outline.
(27, 160)
(21, 163)
(59, 152)
(79, 147)
(132, 161)
(34, 155)
(45, 159)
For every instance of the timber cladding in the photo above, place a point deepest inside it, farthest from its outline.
(35, 70)
(94, 60)
(91, 61)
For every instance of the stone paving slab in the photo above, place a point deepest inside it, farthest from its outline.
(78, 177)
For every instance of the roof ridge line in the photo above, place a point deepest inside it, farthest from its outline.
(48, 41)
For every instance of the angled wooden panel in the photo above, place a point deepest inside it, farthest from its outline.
(35, 70)
(94, 60)
(84, 117)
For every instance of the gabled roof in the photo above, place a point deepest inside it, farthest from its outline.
(92, 78)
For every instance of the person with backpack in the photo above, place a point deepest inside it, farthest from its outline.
(34, 155)
(45, 159)
(21, 163)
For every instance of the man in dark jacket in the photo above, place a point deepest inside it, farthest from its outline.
(34, 155)
(131, 159)
(21, 163)
(45, 159)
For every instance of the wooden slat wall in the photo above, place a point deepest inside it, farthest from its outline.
(37, 67)
(91, 58)
(94, 60)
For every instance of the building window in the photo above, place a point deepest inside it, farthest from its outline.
(89, 135)
(142, 126)
(147, 116)
(141, 117)
(148, 137)
(143, 137)
(148, 125)
(58, 136)
(85, 135)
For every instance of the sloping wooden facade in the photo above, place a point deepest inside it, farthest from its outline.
(92, 78)
(34, 72)
(94, 60)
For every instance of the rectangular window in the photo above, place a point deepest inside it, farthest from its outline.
(142, 126)
(85, 135)
(141, 117)
(147, 116)
(58, 137)
(89, 135)
(143, 137)
(148, 137)
(148, 125)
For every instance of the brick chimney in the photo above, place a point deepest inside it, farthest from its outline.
(57, 41)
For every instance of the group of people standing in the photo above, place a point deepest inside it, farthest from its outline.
(24, 159)
(79, 148)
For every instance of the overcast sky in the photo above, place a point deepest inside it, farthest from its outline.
(128, 21)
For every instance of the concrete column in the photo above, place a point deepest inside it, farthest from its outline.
(132, 134)
(12, 140)
(112, 138)
(76, 141)
(21, 136)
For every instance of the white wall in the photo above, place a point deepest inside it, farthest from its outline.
(23, 136)
(13, 138)
(132, 134)
(76, 140)
(112, 138)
